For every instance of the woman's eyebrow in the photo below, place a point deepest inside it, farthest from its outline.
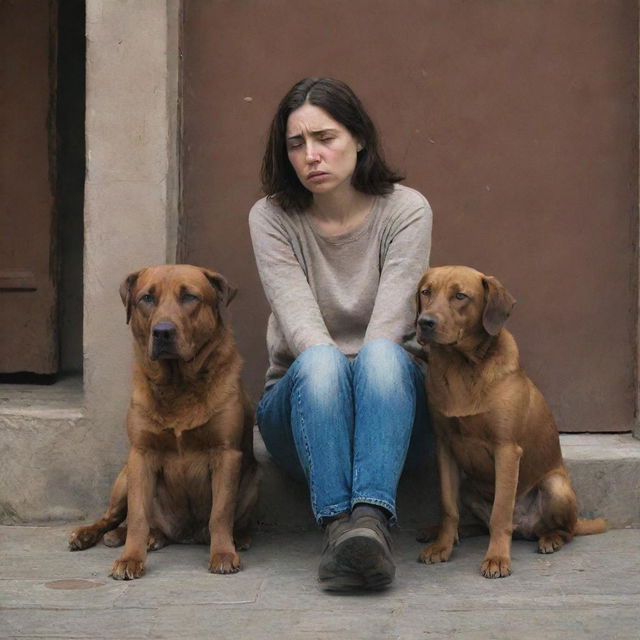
(319, 132)
(315, 132)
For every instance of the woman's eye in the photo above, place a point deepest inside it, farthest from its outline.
(461, 296)
(147, 298)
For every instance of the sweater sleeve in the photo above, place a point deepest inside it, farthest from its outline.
(404, 258)
(284, 281)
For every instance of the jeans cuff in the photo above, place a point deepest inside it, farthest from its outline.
(390, 507)
(332, 510)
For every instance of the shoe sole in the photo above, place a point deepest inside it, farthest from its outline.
(343, 582)
(361, 552)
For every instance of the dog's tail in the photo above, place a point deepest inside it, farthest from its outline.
(590, 527)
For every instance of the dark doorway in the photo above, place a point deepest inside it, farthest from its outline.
(70, 170)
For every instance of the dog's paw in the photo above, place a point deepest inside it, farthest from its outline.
(242, 542)
(115, 538)
(550, 542)
(127, 569)
(83, 538)
(157, 540)
(434, 553)
(224, 562)
(496, 567)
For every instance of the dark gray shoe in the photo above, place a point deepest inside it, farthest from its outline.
(358, 553)
(332, 575)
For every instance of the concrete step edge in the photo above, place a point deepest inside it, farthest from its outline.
(604, 469)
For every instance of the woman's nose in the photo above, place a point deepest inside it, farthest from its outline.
(311, 153)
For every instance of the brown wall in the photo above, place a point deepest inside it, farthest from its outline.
(518, 121)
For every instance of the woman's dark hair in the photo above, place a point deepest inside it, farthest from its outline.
(371, 175)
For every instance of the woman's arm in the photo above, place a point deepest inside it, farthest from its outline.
(284, 282)
(405, 257)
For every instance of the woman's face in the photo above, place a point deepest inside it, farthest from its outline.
(322, 152)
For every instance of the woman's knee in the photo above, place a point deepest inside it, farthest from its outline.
(385, 363)
(384, 349)
(322, 369)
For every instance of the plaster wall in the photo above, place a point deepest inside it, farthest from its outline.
(130, 193)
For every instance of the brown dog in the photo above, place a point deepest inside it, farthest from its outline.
(491, 422)
(190, 475)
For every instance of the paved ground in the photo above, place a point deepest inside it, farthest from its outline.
(591, 589)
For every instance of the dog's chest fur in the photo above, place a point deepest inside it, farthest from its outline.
(188, 414)
(458, 386)
(454, 388)
(168, 440)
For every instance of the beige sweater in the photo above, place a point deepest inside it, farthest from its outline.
(340, 290)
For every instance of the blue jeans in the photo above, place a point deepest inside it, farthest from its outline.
(345, 426)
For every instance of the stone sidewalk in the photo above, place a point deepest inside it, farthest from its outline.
(590, 589)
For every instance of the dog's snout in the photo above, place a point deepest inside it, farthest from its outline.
(164, 331)
(427, 322)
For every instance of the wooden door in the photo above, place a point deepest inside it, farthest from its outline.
(28, 339)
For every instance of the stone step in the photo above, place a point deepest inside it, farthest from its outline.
(604, 469)
(54, 469)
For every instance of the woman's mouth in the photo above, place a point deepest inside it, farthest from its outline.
(317, 176)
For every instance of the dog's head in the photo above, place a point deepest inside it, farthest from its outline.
(175, 309)
(459, 305)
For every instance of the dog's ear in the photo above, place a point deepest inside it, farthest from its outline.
(416, 304)
(226, 293)
(498, 305)
(416, 299)
(125, 291)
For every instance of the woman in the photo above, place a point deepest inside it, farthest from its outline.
(340, 247)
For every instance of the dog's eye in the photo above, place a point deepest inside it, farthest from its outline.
(189, 297)
(147, 298)
(426, 292)
(461, 296)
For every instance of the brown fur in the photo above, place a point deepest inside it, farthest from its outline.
(491, 422)
(191, 475)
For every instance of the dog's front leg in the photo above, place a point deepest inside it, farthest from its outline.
(440, 550)
(497, 560)
(226, 466)
(141, 483)
(87, 536)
